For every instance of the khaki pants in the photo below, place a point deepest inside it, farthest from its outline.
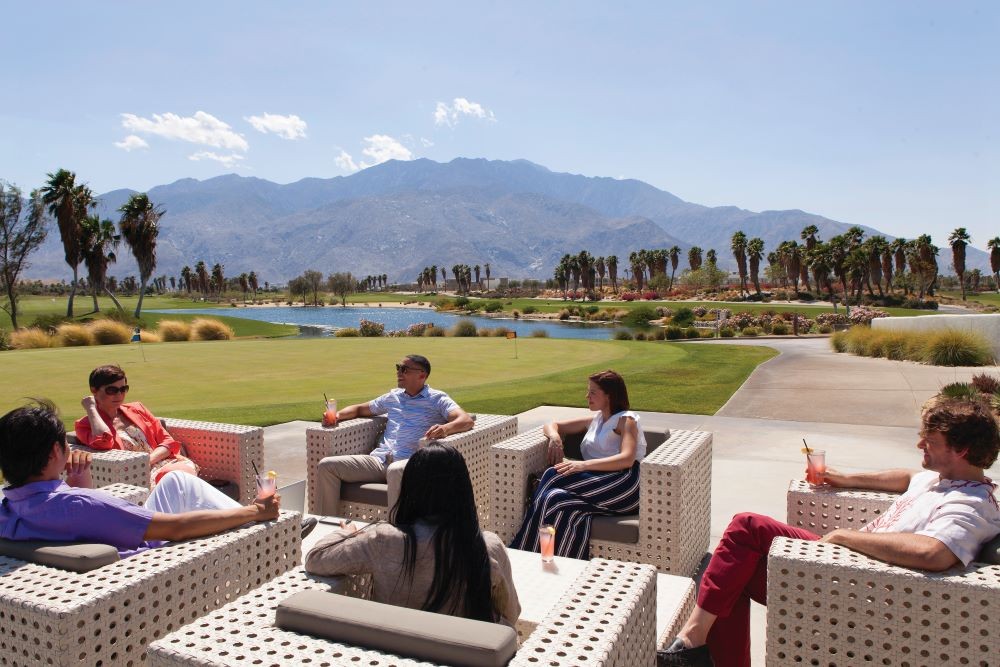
(334, 470)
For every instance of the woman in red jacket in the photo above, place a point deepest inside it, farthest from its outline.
(111, 423)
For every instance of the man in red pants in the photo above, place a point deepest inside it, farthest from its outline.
(942, 519)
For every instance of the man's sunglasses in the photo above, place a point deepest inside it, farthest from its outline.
(114, 391)
(403, 368)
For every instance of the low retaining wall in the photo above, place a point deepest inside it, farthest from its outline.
(986, 325)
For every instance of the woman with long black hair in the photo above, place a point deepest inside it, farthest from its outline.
(431, 554)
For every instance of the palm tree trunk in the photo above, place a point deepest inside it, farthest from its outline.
(142, 293)
(114, 298)
(97, 307)
(72, 293)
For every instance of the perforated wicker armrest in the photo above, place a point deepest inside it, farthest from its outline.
(134, 494)
(223, 451)
(115, 466)
(827, 604)
(511, 462)
(350, 437)
(823, 510)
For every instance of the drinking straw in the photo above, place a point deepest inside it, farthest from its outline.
(808, 451)
(325, 398)
(256, 472)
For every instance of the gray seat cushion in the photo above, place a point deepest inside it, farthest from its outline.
(441, 639)
(63, 555)
(369, 493)
(616, 528)
(990, 553)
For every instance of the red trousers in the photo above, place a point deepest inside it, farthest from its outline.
(737, 574)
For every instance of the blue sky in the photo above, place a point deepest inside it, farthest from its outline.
(876, 113)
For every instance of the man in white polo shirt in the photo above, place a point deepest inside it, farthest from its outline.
(414, 411)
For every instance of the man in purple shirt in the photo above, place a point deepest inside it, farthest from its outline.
(37, 505)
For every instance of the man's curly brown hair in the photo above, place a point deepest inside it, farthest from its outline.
(967, 425)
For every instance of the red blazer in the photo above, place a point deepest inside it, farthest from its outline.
(138, 414)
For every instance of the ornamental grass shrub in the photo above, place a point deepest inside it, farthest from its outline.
(779, 328)
(174, 331)
(539, 333)
(347, 332)
(838, 341)
(32, 338)
(691, 332)
(957, 348)
(203, 328)
(110, 332)
(674, 333)
(623, 335)
(750, 332)
(434, 332)
(464, 329)
(71, 334)
(939, 348)
(149, 336)
(726, 332)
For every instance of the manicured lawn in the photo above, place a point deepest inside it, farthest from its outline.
(270, 381)
(988, 298)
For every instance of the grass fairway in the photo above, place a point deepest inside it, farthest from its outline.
(265, 382)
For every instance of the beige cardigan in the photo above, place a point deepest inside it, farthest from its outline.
(377, 549)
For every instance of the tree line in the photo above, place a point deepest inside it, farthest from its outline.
(465, 277)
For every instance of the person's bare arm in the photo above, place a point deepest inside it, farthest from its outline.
(905, 549)
(459, 421)
(78, 472)
(351, 412)
(620, 461)
(895, 481)
(555, 431)
(174, 527)
(97, 425)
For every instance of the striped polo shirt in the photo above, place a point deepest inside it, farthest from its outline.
(409, 418)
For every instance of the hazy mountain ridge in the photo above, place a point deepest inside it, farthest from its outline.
(398, 217)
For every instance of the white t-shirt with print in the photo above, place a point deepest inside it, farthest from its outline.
(963, 515)
(601, 441)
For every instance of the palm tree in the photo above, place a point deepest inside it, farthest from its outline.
(612, 264)
(186, 278)
(635, 261)
(478, 282)
(820, 263)
(486, 268)
(98, 241)
(140, 225)
(793, 260)
(808, 235)
(927, 252)
(876, 247)
(694, 258)
(675, 259)
(244, 285)
(601, 269)
(586, 262)
(254, 283)
(712, 258)
(219, 280)
(63, 197)
(738, 244)
(899, 248)
(755, 251)
(958, 240)
(201, 271)
(994, 246)
(839, 249)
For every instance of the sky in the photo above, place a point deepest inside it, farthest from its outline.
(876, 113)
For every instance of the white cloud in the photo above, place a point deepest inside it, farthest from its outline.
(131, 143)
(287, 127)
(202, 128)
(427, 143)
(345, 161)
(449, 114)
(225, 160)
(380, 148)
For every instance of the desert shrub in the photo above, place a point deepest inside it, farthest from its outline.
(464, 329)
(347, 332)
(699, 311)
(434, 332)
(49, 323)
(109, 332)
(174, 330)
(957, 348)
(461, 301)
(750, 332)
(893, 345)
(640, 317)
(660, 334)
(674, 333)
(539, 333)
(838, 341)
(500, 332)
(825, 329)
(148, 336)
(444, 303)
(204, 328)
(683, 317)
(986, 384)
(492, 306)
(564, 314)
(590, 310)
(779, 328)
(650, 295)
(484, 332)
(806, 296)
(32, 338)
(623, 335)
(71, 334)
(639, 336)
(528, 310)
(691, 332)
(726, 332)
(629, 296)
(417, 329)
(370, 329)
(916, 345)
(857, 340)
(517, 314)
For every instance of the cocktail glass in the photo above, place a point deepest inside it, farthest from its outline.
(267, 484)
(816, 467)
(330, 416)
(547, 542)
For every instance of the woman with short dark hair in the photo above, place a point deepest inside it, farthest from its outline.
(431, 554)
(604, 483)
(111, 423)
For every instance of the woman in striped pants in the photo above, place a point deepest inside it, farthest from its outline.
(605, 482)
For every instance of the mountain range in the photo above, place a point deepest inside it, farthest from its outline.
(400, 216)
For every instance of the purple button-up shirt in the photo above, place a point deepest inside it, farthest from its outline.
(51, 510)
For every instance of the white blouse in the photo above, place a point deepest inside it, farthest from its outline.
(601, 440)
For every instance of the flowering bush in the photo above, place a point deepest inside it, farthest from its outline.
(865, 315)
(721, 313)
(664, 312)
(742, 320)
(630, 296)
(649, 295)
(371, 329)
(832, 319)
(418, 329)
(699, 311)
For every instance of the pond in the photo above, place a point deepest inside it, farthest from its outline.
(323, 321)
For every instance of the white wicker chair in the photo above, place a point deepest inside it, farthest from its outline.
(109, 616)
(832, 606)
(224, 451)
(671, 531)
(608, 617)
(367, 502)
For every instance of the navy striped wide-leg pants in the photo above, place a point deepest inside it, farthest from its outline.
(569, 501)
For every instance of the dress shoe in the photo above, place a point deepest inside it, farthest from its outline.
(308, 524)
(678, 655)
